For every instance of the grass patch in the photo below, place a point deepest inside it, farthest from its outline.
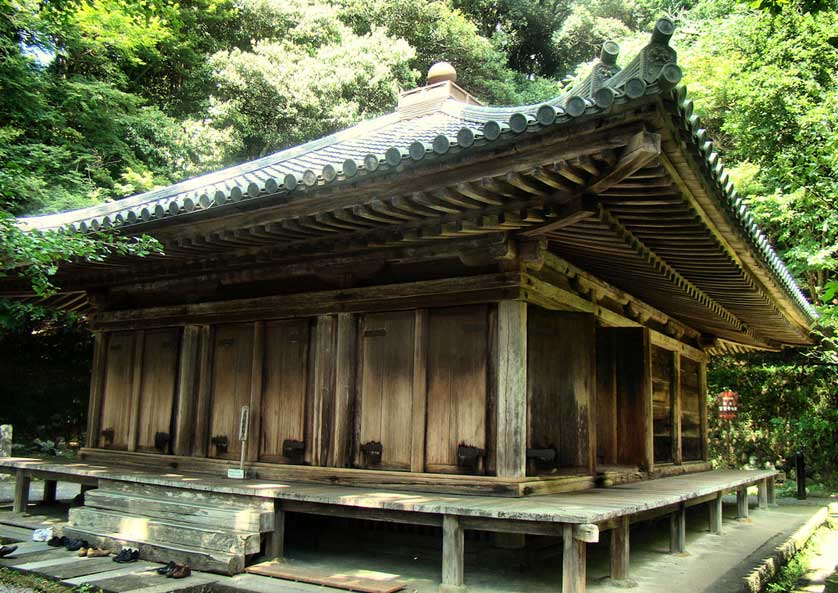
(12, 578)
(791, 573)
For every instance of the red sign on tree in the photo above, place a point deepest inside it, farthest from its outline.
(728, 404)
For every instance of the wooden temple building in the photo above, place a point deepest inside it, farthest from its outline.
(454, 315)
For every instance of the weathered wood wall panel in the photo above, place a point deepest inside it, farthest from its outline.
(384, 412)
(634, 397)
(662, 404)
(158, 377)
(232, 362)
(561, 375)
(511, 402)
(285, 387)
(456, 386)
(606, 397)
(692, 441)
(115, 424)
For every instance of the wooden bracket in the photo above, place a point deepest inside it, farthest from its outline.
(641, 149)
(571, 211)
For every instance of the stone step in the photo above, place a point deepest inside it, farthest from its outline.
(190, 495)
(160, 530)
(207, 515)
(153, 551)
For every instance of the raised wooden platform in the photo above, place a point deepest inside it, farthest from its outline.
(577, 517)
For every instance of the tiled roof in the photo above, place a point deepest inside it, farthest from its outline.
(385, 143)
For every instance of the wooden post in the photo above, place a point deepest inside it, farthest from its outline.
(762, 486)
(275, 546)
(620, 549)
(742, 502)
(341, 445)
(50, 491)
(702, 394)
(420, 391)
(574, 562)
(325, 347)
(22, 482)
(716, 514)
(97, 387)
(187, 388)
(511, 454)
(200, 429)
(677, 450)
(678, 530)
(254, 430)
(136, 389)
(453, 547)
(772, 495)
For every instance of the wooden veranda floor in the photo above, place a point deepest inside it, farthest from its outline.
(596, 505)
(577, 517)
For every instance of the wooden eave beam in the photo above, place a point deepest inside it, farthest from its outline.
(707, 208)
(642, 148)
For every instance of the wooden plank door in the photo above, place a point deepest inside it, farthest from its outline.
(116, 404)
(384, 412)
(561, 378)
(284, 387)
(232, 367)
(158, 379)
(458, 343)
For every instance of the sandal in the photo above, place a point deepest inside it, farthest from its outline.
(97, 553)
(167, 569)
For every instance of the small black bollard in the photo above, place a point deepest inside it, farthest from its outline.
(800, 463)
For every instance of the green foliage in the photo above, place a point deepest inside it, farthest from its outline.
(37, 254)
(787, 403)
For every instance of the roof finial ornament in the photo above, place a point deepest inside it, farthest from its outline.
(440, 72)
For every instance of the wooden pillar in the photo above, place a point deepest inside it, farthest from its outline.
(702, 394)
(420, 391)
(620, 549)
(762, 487)
(22, 483)
(136, 388)
(97, 387)
(678, 530)
(511, 454)
(187, 387)
(325, 347)
(677, 450)
(574, 562)
(453, 547)
(275, 546)
(742, 502)
(715, 507)
(341, 442)
(254, 428)
(200, 428)
(772, 495)
(50, 491)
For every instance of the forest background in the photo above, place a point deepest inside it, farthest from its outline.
(100, 99)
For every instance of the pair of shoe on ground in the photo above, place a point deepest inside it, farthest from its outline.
(71, 544)
(175, 570)
(6, 550)
(93, 552)
(127, 555)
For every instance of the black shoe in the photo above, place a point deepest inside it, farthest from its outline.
(127, 555)
(56, 542)
(6, 550)
(74, 545)
(167, 570)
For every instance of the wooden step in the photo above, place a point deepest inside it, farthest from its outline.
(198, 558)
(208, 515)
(188, 495)
(159, 530)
